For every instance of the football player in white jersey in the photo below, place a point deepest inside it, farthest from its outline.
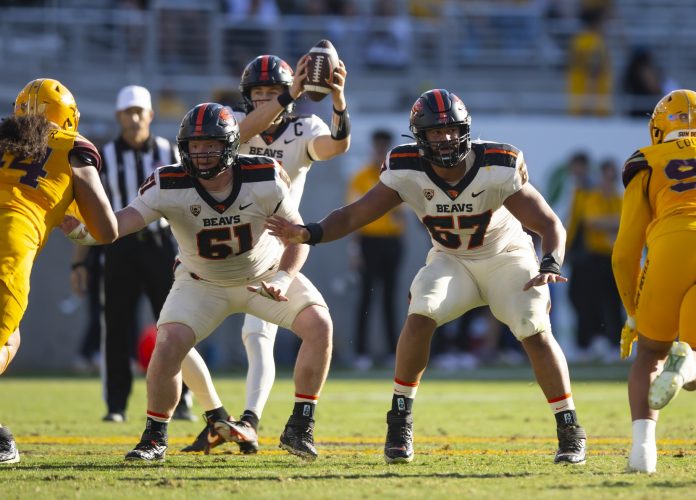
(474, 199)
(216, 202)
(267, 128)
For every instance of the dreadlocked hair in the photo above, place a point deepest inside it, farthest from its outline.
(25, 136)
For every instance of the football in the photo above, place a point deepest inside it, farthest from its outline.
(323, 60)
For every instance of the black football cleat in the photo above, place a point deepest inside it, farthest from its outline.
(398, 448)
(571, 445)
(8, 448)
(298, 438)
(151, 448)
(239, 431)
(206, 440)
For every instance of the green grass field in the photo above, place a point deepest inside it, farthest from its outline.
(472, 438)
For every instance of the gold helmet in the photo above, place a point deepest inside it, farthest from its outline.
(50, 98)
(674, 117)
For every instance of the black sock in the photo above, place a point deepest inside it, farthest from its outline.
(567, 417)
(155, 426)
(217, 414)
(304, 410)
(250, 417)
(401, 404)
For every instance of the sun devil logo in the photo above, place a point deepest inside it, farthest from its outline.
(428, 193)
(195, 210)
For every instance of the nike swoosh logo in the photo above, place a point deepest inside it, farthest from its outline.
(288, 141)
(474, 195)
(242, 207)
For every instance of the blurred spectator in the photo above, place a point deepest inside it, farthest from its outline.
(170, 106)
(426, 9)
(589, 67)
(592, 230)
(642, 83)
(388, 36)
(265, 12)
(378, 254)
(566, 184)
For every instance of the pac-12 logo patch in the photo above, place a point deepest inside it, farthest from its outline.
(195, 210)
(428, 193)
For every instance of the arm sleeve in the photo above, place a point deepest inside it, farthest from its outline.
(636, 215)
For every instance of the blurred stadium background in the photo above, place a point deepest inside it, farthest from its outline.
(509, 60)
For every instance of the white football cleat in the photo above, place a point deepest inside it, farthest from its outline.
(643, 458)
(678, 370)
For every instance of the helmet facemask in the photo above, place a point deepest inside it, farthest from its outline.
(445, 154)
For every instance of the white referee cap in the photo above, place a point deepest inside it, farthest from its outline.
(133, 96)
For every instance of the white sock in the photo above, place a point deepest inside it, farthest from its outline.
(644, 431)
(643, 457)
(197, 377)
(261, 371)
(408, 389)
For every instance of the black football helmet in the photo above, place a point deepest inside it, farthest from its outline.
(265, 70)
(439, 108)
(208, 121)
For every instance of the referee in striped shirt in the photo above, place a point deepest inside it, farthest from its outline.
(139, 263)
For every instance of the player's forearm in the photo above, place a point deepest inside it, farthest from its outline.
(263, 116)
(293, 258)
(553, 239)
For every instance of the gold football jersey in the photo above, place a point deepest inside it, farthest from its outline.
(672, 184)
(42, 189)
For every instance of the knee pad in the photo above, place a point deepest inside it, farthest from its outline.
(528, 325)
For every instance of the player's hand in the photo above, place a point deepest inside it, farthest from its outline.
(542, 279)
(69, 224)
(628, 336)
(297, 87)
(286, 230)
(338, 86)
(274, 289)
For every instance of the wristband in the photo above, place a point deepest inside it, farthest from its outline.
(75, 265)
(285, 99)
(316, 233)
(340, 124)
(549, 264)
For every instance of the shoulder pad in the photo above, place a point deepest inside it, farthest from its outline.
(256, 168)
(173, 177)
(633, 165)
(499, 154)
(405, 157)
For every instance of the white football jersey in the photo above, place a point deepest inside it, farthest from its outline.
(467, 219)
(223, 242)
(290, 146)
